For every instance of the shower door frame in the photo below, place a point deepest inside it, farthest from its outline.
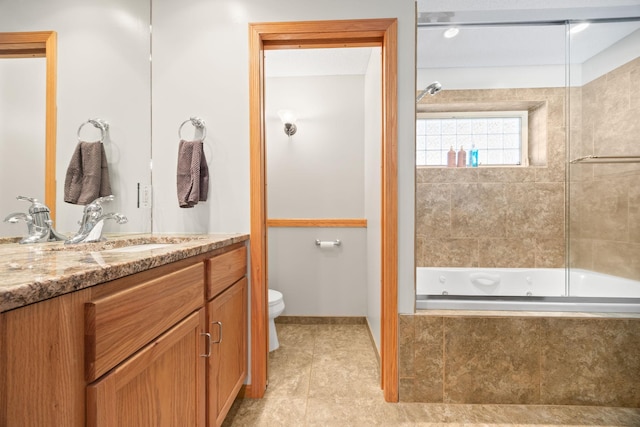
(324, 34)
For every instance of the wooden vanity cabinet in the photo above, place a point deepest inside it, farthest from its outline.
(130, 352)
(227, 323)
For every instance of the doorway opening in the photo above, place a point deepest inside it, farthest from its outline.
(324, 34)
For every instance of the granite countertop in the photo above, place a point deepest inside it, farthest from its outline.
(36, 272)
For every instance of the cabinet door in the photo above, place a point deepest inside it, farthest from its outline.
(160, 386)
(41, 371)
(227, 365)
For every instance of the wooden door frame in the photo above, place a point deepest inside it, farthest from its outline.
(322, 34)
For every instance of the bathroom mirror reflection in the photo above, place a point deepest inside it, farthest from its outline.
(103, 72)
(28, 120)
(484, 221)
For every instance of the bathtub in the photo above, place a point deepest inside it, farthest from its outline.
(525, 289)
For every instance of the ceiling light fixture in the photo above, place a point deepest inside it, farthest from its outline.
(579, 27)
(451, 33)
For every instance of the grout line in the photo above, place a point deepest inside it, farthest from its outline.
(444, 360)
(313, 356)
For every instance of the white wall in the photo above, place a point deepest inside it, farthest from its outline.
(372, 182)
(103, 72)
(200, 67)
(317, 173)
(316, 281)
(618, 54)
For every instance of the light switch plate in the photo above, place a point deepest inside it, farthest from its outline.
(145, 196)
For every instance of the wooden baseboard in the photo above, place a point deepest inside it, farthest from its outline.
(243, 391)
(373, 343)
(321, 320)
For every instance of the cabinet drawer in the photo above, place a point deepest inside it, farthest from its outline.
(226, 269)
(118, 325)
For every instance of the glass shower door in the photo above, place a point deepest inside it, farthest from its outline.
(604, 152)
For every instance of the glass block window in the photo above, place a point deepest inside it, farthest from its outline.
(499, 136)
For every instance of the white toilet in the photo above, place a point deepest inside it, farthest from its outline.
(276, 307)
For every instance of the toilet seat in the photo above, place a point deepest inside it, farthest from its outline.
(275, 297)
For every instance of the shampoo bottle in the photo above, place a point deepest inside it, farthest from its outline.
(474, 156)
(451, 158)
(462, 157)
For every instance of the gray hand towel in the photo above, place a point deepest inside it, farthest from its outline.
(87, 176)
(193, 174)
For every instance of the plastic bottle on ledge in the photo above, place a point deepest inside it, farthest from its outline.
(474, 156)
(462, 158)
(451, 158)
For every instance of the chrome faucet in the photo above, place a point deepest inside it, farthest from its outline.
(39, 223)
(93, 220)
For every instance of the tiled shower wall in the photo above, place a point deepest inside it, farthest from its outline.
(605, 199)
(519, 360)
(497, 216)
(514, 217)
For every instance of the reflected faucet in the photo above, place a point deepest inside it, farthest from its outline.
(93, 220)
(39, 223)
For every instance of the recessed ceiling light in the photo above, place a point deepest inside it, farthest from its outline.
(580, 27)
(451, 32)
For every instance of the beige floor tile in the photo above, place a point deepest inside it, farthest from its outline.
(289, 374)
(352, 412)
(328, 376)
(337, 379)
(268, 412)
(344, 338)
(299, 337)
(289, 367)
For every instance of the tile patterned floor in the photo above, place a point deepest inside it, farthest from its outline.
(327, 375)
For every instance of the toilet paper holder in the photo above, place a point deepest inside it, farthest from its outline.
(328, 243)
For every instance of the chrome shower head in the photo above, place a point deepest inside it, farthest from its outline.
(432, 89)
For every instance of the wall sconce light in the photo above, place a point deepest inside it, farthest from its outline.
(288, 118)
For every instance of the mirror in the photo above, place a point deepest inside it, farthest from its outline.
(103, 72)
(21, 139)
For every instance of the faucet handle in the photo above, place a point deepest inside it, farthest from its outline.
(97, 203)
(27, 199)
(36, 207)
(103, 199)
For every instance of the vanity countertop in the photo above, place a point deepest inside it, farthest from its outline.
(36, 272)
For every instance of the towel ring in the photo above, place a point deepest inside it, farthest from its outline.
(197, 123)
(98, 124)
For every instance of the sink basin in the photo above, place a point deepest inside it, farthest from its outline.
(121, 245)
(139, 248)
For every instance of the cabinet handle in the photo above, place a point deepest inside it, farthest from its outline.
(208, 335)
(220, 332)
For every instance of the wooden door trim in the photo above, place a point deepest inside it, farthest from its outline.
(312, 34)
(318, 222)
